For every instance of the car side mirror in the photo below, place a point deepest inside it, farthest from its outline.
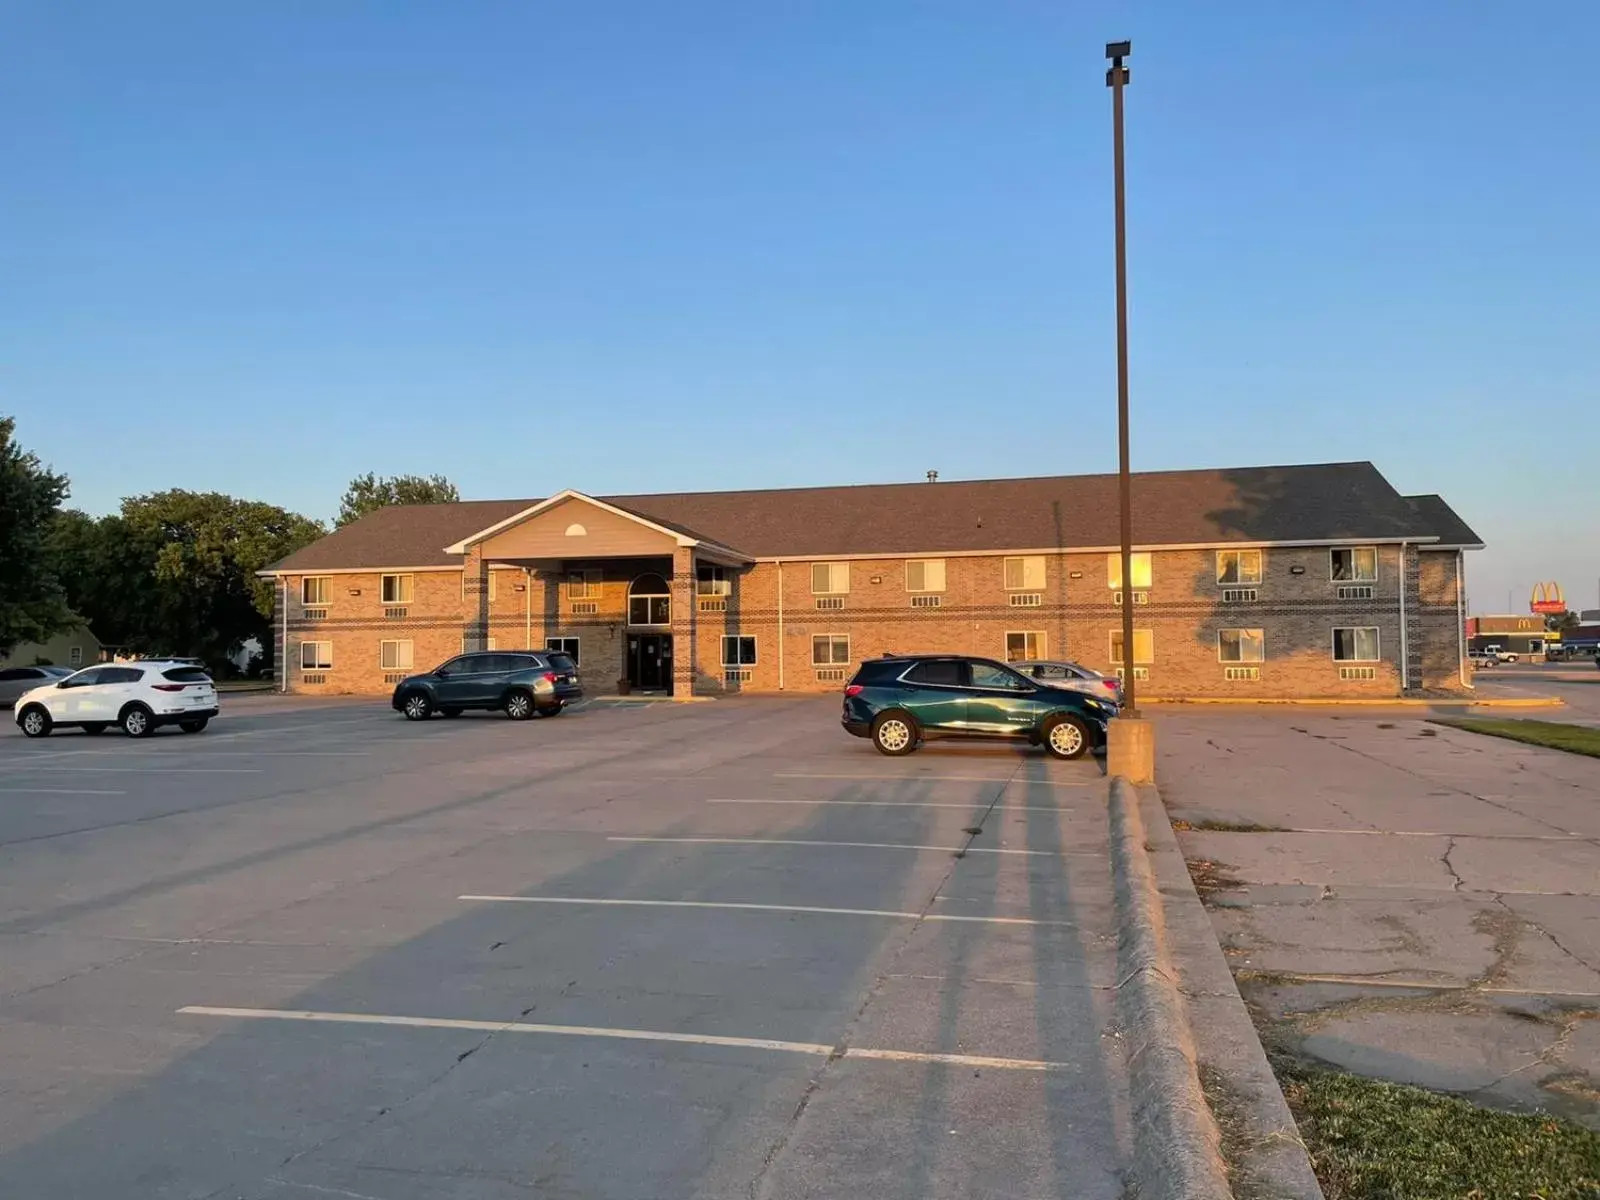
(442, 674)
(62, 684)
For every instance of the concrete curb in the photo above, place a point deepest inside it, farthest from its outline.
(1396, 702)
(1176, 1144)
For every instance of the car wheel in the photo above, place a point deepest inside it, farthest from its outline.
(450, 712)
(193, 726)
(94, 727)
(1065, 737)
(35, 721)
(417, 707)
(894, 734)
(519, 704)
(136, 721)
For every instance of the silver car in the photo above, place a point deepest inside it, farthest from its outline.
(16, 680)
(1075, 677)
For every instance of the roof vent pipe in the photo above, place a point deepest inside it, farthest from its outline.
(933, 477)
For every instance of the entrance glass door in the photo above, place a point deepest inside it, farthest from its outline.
(650, 662)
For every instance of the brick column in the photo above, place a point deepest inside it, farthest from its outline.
(684, 647)
(1412, 579)
(475, 599)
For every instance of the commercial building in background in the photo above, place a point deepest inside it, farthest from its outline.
(1523, 636)
(1294, 581)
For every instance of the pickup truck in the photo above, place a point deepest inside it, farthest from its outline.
(1492, 656)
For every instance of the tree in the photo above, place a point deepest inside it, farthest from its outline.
(33, 604)
(368, 493)
(208, 547)
(1557, 622)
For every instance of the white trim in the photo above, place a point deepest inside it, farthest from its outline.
(1025, 586)
(353, 571)
(399, 600)
(1333, 637)
(925, 563)
(562, 497)
(1405, 652)
(830, 664)
(1461, 619)
(320, 664)
(830, 563)
(411, 653)
(326, 579)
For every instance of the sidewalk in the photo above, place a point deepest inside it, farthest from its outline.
(1401, 900)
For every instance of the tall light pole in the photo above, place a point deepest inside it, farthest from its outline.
(1116, 80)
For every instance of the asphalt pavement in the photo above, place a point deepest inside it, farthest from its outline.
(706, 950)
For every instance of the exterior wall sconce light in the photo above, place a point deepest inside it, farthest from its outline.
(1297, 570)
(355, 591)
(1074, 574)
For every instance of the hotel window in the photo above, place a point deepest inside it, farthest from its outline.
(397, 589)
(1025, 573)
(1025, 646)
(395, 655)
(1144, 647)
(564, 645)
(925, 575)
(710, 581)
(1241, 646)
(830, 578)
(1141, 570)
(489, 643)
(739, 651)
(830, 650)
(316, 656)
(583, 585)
(1238, 566)
(1356, 565)
(316, 590)
(1356, 645)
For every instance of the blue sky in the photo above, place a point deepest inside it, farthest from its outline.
(266, 245)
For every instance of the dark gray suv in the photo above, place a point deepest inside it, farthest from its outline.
(520, 683)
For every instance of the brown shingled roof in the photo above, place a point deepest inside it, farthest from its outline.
(1316, 503)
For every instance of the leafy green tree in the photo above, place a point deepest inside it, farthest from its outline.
(368, 493)
(33, 604)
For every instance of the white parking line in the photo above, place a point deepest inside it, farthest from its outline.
(778, 908)
(816, 1049)
(58, 769)
(1007, 780)
(968, 806)
(27, 791)
(730, 841)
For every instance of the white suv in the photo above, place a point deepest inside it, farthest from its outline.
(139, 696)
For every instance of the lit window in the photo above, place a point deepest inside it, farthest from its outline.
(1238, 566)
(1141, 569)
(1144, 647)
(1240, 646)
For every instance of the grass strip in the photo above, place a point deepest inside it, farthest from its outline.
(1371, 1140)
(1556, 735)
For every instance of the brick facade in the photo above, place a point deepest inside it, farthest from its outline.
(1069, 610)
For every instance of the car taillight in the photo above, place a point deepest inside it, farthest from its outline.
(855, 689)
(1111, 684)
(550, 677)
(169, 687)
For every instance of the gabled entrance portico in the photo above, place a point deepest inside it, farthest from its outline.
(611, 586)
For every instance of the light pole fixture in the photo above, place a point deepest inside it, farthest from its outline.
(1116, 80)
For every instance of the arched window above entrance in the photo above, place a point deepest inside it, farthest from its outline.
(649, 601)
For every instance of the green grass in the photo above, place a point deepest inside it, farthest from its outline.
(1575, 739)
(1371, 1140)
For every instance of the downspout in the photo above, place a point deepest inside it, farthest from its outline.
(1405, 652)
(284, 619)
(527, 608)
(780, 625)
(1461, 618)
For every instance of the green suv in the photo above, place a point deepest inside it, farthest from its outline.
(900, 700)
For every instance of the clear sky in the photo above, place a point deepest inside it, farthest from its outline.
(262, 246)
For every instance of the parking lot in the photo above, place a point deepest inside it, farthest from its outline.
(657, 951)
